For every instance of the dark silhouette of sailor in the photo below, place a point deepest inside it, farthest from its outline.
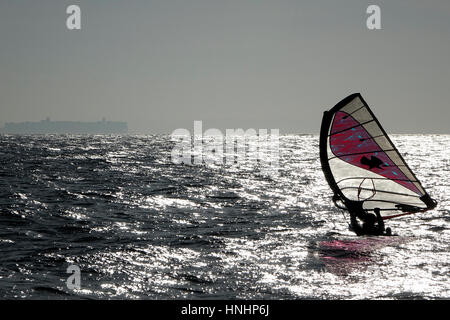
(374, 162)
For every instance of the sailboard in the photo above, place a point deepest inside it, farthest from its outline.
(362, 165)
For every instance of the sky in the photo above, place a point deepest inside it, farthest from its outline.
(161, 64)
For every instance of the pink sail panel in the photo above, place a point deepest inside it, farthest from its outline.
(351, 142)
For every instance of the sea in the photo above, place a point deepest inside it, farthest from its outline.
(113, 217)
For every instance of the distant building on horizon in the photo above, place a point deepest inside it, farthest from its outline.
(65, 127)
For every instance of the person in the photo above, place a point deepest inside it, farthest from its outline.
(372, 224)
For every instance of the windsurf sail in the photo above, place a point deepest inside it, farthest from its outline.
(362, 165)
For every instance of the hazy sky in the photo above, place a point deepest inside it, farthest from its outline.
(160, 65)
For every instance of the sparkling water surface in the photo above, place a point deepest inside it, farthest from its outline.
(139, 226)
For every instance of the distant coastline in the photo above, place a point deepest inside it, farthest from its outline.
(69, 127)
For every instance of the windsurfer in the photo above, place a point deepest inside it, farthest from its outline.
(360, 162)
(372, 225)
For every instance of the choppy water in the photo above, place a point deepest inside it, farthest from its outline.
(139, 226)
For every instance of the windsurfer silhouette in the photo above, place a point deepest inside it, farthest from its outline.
(373, 225)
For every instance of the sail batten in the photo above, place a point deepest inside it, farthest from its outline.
(362, 164)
